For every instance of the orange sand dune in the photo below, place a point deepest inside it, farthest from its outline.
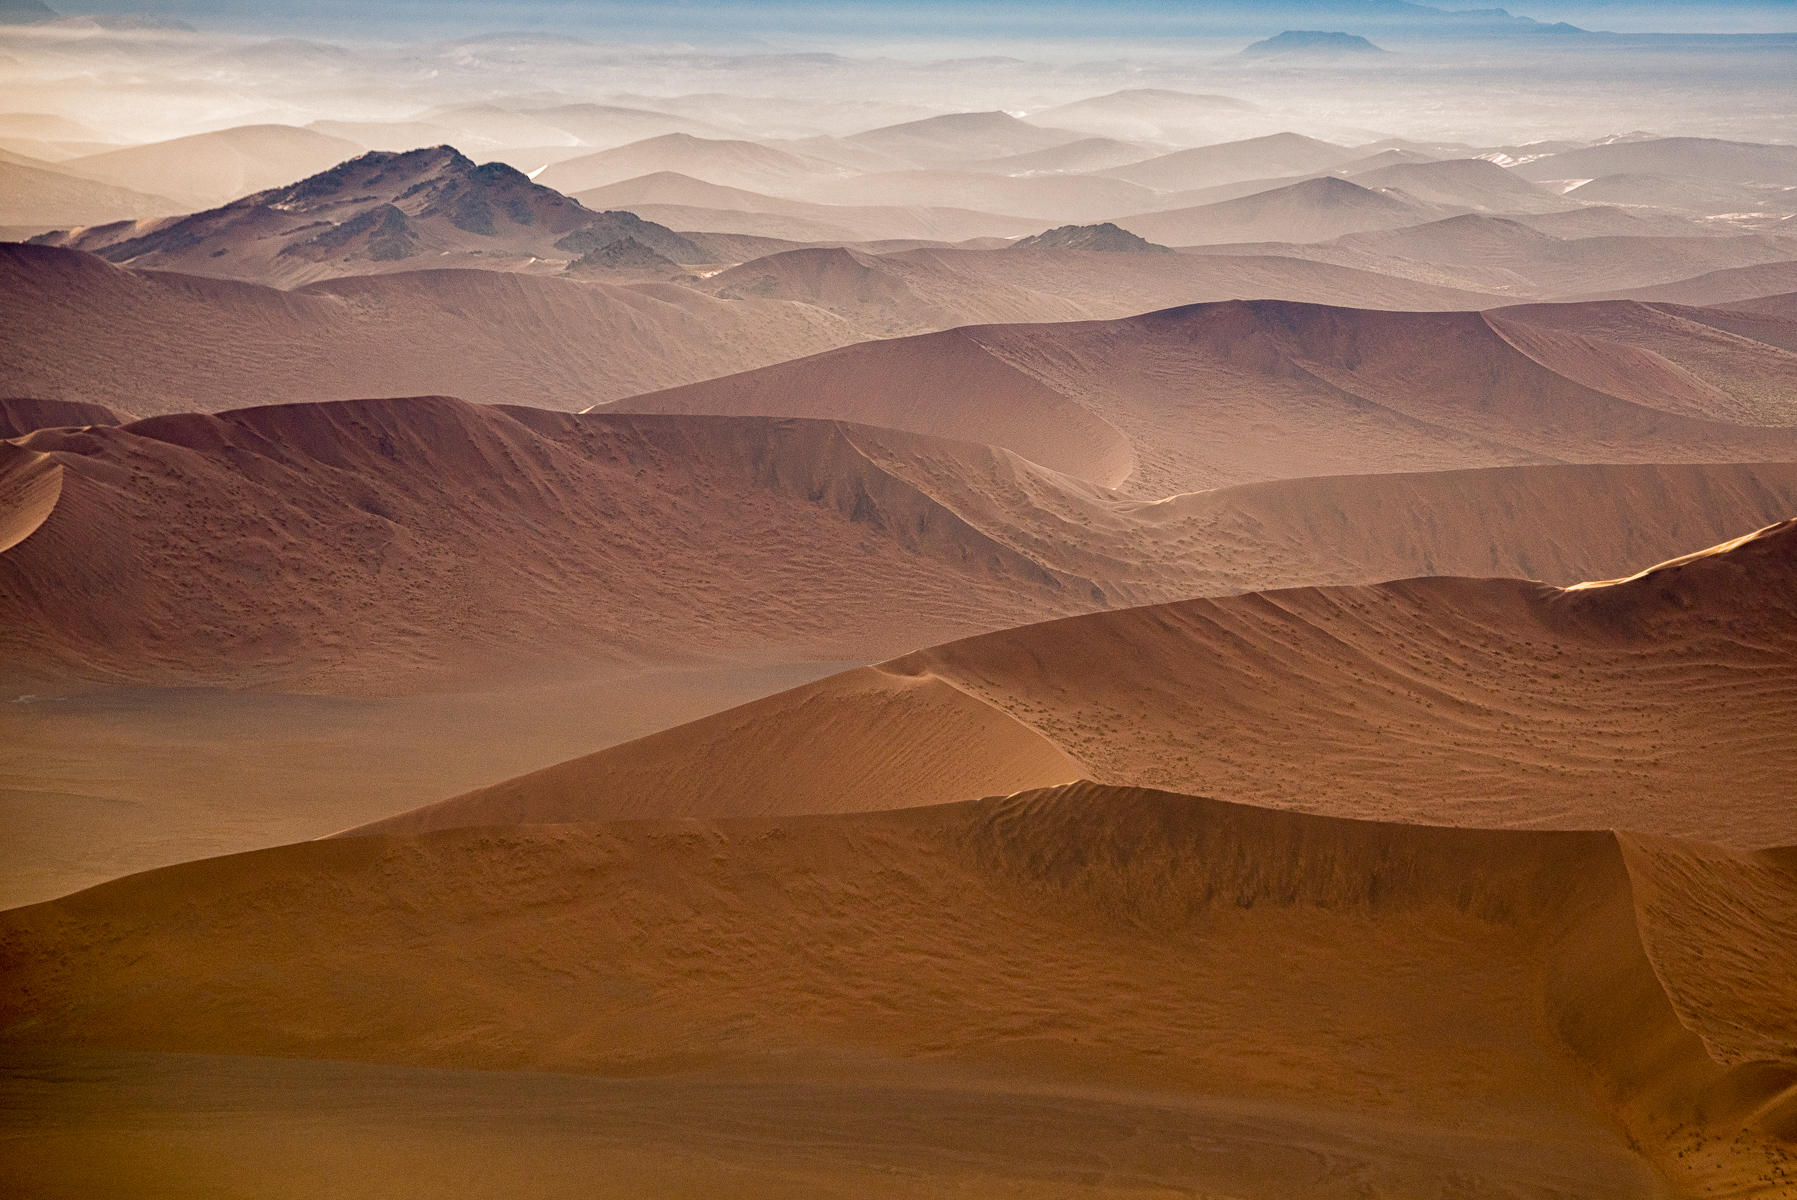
(654, 569)
(1217, 394)
(387, 546)
(397, 545)
(1446, 700)
(174, 343)
(1517, 1012)
(30, 484)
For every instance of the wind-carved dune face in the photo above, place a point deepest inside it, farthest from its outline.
(30, 485)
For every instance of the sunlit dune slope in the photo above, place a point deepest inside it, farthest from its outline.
(1654, 704)
(30, 485)
(1471, 989)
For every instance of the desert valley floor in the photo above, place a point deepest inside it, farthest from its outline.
(707, 645)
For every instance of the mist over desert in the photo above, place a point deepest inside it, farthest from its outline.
(1109, 598)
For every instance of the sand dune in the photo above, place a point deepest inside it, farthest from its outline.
(212, 168)
(960, 137)
(1446, 700)
(1687, 365)
(922, 385)
(174, 343)
(1730, 286)
(725, 162)
(682, 202)
(1218, 394)
(30, 484)
(1450, 721)
(1149, 945)
(41, 196)
(1058, 198)
(914, 291)
(388, 547)
(1312, 211)
(1702, 158)
(22, 414)
(1256, 158)
(1472, 182)
(1498, 254)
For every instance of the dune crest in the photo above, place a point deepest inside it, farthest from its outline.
(30, 485)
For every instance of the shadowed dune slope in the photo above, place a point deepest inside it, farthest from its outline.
(1485, 994)
(175, 343)
(1236, 392)
(1447, 700)
(389, 545)
(22, 414)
